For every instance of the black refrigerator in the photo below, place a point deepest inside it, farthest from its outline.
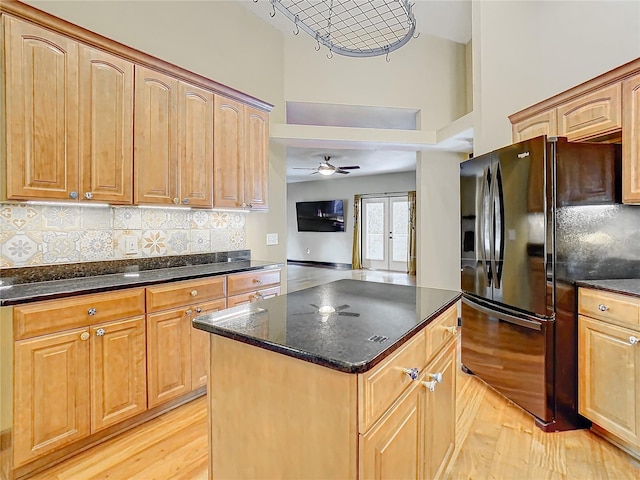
(535, 217)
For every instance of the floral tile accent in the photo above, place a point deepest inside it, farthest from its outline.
(153, 218)
(237, 239)
(237, 220)
(127, 218)
(94, 218)
(20, 217)
(96, 245)
(61, 247)
(200, 219)
(177, 242)
(219, 240)
(219, 219)
(154, 243)
(178, 219)
(19, 249)
(61, 218)
(200, 241)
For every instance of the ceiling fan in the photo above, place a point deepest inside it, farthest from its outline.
(327, 169)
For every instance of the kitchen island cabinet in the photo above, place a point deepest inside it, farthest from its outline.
(349, 379)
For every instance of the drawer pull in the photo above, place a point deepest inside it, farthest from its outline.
(436, 379)
(257, 296)
(194, 293)
(411, 372)
(603, 308)
(452, 330)
(92, 311)
(84, 336)
(198, 310)
(100, 332)
(436, 376)
(257, 280)
(634, 340)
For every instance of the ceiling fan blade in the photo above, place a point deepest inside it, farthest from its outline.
(339, 170)
(352, 167)
(304, 168)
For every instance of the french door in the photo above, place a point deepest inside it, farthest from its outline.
(385, 233)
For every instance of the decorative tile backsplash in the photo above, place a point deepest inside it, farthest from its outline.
(44, 235)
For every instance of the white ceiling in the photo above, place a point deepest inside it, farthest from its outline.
(451, 20)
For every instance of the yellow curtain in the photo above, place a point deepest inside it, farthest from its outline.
(411, 260)
(356, 258)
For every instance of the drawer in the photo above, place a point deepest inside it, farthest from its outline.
(252, 281)
(254, 296)
(440, 330)
(178, 294)
(78, 311)
(380, 387)
(623, 309)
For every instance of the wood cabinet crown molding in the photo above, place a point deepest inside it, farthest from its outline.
(616, 75)
(75, 32)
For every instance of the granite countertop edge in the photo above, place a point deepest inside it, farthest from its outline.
(37, 291)
(626, 286)
(346, 367)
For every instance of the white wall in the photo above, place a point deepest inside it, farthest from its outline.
(219, 40)
(335, 247)
(527, 51)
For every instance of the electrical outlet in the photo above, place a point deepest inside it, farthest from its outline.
(130, 244)
(308, 251)
(272, 238)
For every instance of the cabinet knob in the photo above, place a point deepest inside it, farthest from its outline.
(412, 373)
(430, 385)
(634, 340)
(244, 205)
(185, 201)
(257, 280)
(84, 336)
(603, 308)
(198, 310)
(73, 195)
(194, 293)
(437, 377)
(251, 205)
(257, 296)
(176, 200)
(452, 329)
(100, 332)
(88, 195)
(189, 312)
(92, 311)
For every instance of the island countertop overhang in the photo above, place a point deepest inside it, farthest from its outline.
(346, 325)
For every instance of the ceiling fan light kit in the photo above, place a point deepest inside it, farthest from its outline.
(352, 28)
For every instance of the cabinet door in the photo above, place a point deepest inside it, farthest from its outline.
(106, 127)
(195, 145)
(41, 94)
(596, 113)
(609, 377)
(544, 123)
(51, 398)
(631, 140)
(440, 412)
(256, 170)
(155, 138)
(118, 372)
(200, 344)
(392, 449)
(228, 153)
(168, 355)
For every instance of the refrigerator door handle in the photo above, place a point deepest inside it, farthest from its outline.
(498, 241)
(483, 250)
(522, 322)
(492, 223)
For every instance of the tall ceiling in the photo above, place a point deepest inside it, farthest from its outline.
(449, 19)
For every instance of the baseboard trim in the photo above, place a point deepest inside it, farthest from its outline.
(308, 263)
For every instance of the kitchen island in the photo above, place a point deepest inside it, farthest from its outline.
(349, 379)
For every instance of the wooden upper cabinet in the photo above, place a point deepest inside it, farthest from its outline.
(256, 172)
(544, 123)
(155, 138)
(594, 114)
(631, 139)
(41, 91)
(195, 145)
(106, 127)
(228, 153)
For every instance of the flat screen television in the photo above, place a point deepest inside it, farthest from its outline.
(320, 216)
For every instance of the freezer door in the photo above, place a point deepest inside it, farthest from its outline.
(512, 353)
(475, 243)
(519, 249)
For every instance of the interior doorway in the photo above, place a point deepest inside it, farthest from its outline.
(385, 233)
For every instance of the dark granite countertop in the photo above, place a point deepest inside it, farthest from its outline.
(301, 325)
(13, 294)
(628, 286)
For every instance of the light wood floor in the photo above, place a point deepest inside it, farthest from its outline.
(495, 439)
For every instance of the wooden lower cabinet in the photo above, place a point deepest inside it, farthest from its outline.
(200, 345)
